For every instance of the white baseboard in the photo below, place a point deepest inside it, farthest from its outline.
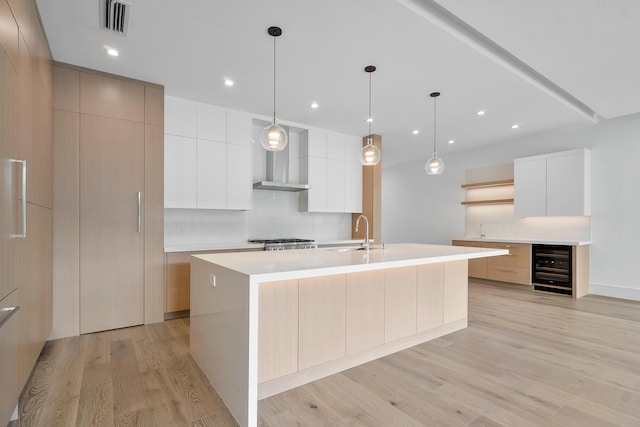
(615, 291)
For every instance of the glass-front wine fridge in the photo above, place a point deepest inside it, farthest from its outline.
(552, 269)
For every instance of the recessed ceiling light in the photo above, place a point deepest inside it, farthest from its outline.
(370, 119)
(480, 113)
(451, 141)
(314, 105)
(111, 51)
(415, 132)
(515, 126)
(228, 82)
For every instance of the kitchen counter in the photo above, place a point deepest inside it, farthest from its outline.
(240, 245)
(266, 322)
(521, 240)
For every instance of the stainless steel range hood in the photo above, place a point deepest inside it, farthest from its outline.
(278, 173)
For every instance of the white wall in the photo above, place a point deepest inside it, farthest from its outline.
(422, 208)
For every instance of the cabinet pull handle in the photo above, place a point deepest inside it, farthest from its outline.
(24, 198)
(507, 271)
(6, 313)
(139, 212)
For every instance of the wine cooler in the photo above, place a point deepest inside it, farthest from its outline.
(552, 269)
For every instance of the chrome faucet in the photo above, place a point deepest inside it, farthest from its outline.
(482, 231)
(366, 236)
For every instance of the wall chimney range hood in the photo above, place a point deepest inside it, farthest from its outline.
(278, 173)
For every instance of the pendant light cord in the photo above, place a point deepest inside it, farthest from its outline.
(370, 118)
(434, 125)
(274, 80)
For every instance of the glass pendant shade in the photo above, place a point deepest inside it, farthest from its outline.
(273, 137)
(434, 166)
(370, 154)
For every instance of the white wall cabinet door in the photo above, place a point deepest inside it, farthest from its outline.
(239, 127)
(211, 167)
(530, 189)
(335, 185)
(313, 171)
(556, 184)
(180, 117)
(566, 181)
(239, 177)
(352, 175)
(336, 145)
(179, 172)
(211, 123)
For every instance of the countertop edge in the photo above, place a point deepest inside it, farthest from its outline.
(529, 241)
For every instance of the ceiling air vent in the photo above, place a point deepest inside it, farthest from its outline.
(114, 16)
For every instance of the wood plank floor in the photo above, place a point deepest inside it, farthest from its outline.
(526, 359)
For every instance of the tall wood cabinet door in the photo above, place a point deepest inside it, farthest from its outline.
(9, 355)
(35, 271)
(111, 240)
(9, 177)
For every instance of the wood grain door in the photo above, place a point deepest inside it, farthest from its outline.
(111, 242)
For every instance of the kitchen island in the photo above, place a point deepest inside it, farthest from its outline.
(266, 322)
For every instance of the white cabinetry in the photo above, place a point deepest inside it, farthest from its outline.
(329, 164)
(208, 157)
(557, 184)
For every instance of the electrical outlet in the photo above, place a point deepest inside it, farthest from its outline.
(212, 280)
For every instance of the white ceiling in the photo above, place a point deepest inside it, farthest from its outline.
(589, 48)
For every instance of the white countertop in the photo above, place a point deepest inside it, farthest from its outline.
(521, 240)
(231, 246)
(283, 265)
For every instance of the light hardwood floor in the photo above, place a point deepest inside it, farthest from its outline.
(526, 359)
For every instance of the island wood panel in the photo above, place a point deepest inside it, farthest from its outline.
(277, 329)
(455, 291)
(111, 248)
(399, 303)
(478, 266)
(364, 310)
(322, 319)
(430, 296)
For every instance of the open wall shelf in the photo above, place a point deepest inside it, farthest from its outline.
(500, 183)
(492, 201)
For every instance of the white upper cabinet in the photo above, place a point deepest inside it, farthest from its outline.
(208, 157)
(557, 184)
(211, 123)
(329, 163)
(180, 155)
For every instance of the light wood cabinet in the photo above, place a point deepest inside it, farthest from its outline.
(108, 201)
(557, 184)
(512, 268)
(430, 296)
(477, 267)
(177, 281)
(371, 196)
(26, 123)
(35, 261)
(322, 320)
(111, 237)
(277, 329)
(365, 311)
(399, 303)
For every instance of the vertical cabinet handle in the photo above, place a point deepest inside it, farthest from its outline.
(139, 212)
(6, 313)
(24, 198)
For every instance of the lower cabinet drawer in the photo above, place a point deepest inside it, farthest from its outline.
(501, 273)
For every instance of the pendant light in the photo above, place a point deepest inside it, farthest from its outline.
(370, 154)
(273, 137)
(435, 165)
